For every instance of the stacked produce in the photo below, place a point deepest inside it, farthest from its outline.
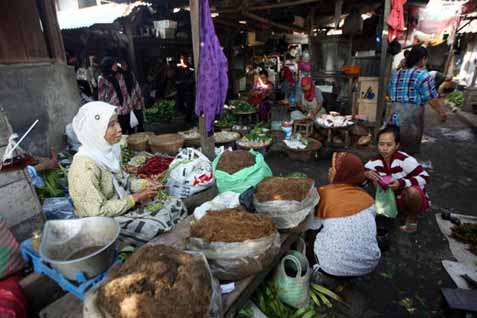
(236, 243)
(227, 121)
(283, 189)
(154, 166)
(256, 138)
(288, 200)
(233, 161)
(457, 98)
(158, 281)
(323, 303)
(232, 225)
(241, 106)
(162, 111)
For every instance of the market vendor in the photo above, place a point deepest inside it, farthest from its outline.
(309, 101)
(260, 95)
(96, 180)
(346, 245)
(409, 177)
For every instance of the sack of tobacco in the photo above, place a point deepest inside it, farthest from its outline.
(237, 244)
(287, 200)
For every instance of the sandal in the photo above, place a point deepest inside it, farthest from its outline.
(409, 227)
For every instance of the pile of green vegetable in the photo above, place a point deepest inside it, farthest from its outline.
(242, 106)
(457, 98)
(226, 121)
(158, 202)
(258, 134)
(162, 111)
(322, 300)
(54, 181)
(126, 155)
(466, 233)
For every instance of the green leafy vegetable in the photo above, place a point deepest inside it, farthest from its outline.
(457, 98)
(162, 111)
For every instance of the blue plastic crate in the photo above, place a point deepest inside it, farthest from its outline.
(78, 288)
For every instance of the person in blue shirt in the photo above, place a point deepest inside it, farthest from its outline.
(409, 90)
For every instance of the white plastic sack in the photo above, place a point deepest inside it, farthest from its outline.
(139, 227)
(133, 121)
(91, 309)
(225, 200)
(237, 260)
(289, 214)
(190, 172)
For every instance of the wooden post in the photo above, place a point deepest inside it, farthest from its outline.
(51, 29)
(206, 141)
(450, 56)
(132, 50)
(383, 68)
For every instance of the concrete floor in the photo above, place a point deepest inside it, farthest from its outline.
(408, 280)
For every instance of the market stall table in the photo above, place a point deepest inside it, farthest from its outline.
(244, 288)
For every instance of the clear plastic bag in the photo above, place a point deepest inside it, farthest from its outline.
(289, 214)
(91, 309)
(59, 208)
(237, 260)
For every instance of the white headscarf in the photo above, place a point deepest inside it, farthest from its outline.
(90, 125)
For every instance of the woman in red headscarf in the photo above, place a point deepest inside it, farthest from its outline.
(309, 101)
(346, 244)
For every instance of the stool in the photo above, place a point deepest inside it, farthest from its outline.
(303, 127)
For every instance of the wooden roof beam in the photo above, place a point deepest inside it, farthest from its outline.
(269, 6)
(274, 24)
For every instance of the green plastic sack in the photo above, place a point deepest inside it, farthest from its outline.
(386, 203)
(243, 179)
(293, 290)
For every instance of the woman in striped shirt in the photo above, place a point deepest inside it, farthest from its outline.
(409, 177)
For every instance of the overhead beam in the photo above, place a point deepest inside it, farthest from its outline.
(270, 6)
(274, 24)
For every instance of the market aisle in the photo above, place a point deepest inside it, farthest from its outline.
(409, 277)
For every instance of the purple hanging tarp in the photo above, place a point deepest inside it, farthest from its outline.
(212, 82)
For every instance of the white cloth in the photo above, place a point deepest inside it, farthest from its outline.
(90, 125)
(347, 246)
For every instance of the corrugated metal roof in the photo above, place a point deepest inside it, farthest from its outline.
(106, 13)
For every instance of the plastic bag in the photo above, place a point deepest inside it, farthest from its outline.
(386, 203)
(237, 260)
(91, 309)
(59, 208)
(133, 121)
(226, 200)
(139, 227)
(289, 214)
(189, 173)
(294, 290)
(243, 179)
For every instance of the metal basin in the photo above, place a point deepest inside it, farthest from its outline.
(86, 245)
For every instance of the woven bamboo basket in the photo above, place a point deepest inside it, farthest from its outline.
(305, 154)
(138, 142)
(166, 143)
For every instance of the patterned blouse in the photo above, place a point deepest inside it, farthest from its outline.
(107, 93)
(91, 188)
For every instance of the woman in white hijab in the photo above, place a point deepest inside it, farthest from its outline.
(98, 185)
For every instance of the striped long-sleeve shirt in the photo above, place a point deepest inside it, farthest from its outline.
(404, 168)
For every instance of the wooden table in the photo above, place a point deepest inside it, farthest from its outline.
(244, 288)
